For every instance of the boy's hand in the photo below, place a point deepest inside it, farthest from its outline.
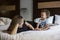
(37, 29)
(45, 28)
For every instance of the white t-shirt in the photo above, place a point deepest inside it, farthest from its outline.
(41, 22)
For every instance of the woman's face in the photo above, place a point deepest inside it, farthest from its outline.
(43, 15)
(21, 23)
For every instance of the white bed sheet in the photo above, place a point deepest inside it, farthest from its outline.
(52, 34)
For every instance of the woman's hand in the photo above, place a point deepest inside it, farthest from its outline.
(29, 25)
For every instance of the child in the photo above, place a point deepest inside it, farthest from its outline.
(43, 22)
(17, 25)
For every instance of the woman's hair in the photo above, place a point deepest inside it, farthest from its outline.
(47, 12)
(17, 19)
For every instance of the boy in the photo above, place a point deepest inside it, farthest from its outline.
(43, 21)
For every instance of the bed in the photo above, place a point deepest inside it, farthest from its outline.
(52, 34)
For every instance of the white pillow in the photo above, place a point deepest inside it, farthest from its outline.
(57, 19)
(50, 20)
(5, 20)
(2, 23)
(36, 20)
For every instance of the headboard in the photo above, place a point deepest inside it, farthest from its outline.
(53, 6)
(53, 11)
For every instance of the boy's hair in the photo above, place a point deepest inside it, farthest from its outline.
(47, 12)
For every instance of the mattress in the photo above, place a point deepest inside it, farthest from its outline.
(51, 34)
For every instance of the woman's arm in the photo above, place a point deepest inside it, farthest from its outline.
(29, 25)
(37, 27)
(37, 21)
(13, 29)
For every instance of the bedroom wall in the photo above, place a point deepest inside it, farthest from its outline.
(9, 8)
(28, 14)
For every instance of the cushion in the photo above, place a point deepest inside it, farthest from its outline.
(50, 20)
(4, 23)
(36, 20)
(5, 20)
(57, 19)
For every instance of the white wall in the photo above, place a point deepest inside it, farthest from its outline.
(29, 5)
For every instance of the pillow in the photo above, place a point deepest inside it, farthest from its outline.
(50, 20)
(36, 20)
(57, 19)
(5, 20)
(4, 23)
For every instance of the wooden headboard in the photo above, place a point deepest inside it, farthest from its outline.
(52, 6)
(53, 11)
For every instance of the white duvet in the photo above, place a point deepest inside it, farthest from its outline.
(52, 34)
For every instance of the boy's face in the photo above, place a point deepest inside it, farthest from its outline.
(43, 15)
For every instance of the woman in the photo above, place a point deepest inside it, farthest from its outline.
(17, 25)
